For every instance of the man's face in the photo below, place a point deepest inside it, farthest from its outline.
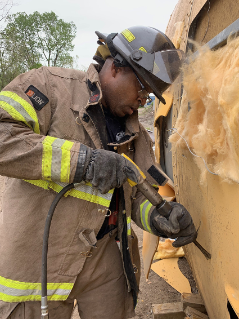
(120, 94)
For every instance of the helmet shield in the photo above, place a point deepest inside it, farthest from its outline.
(165, 65)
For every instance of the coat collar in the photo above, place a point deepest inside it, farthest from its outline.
(94, 98)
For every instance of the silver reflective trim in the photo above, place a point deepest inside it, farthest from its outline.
(59, 292)
(82, 187)
(128, 226)
(32, 292)
(92, 190)
(56, 159)
(19, 108)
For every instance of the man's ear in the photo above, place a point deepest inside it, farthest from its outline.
(114, 69)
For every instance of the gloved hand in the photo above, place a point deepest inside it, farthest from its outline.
(178, 225)
(105, 170)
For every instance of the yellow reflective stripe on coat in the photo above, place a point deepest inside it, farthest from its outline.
(82, 190)
(19, 109)
(129, 226)
(56, 159)
(144, 214)
(18, 291)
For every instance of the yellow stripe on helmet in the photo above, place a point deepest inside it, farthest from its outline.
(142, 49)
(128, 35)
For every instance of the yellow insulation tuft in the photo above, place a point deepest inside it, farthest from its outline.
(209, 113)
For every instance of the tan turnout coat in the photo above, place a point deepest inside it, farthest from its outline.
(31, 164)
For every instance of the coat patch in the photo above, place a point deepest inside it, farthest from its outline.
(37, 98)
(95, 92)
(94, 98)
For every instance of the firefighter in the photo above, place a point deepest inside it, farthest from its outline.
(61, 126)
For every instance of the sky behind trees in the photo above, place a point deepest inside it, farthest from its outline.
(105, 16)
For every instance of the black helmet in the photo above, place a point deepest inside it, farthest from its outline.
(149, 52)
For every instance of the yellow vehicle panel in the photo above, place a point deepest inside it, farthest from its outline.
(214, 204)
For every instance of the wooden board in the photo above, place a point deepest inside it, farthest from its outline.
(194, 314)
(194, 301)
(172, 310)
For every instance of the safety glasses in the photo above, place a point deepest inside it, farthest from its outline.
(143, 93)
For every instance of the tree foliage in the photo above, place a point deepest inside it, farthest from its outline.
(29, 41)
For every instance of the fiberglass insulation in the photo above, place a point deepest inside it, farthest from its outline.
(209, 113)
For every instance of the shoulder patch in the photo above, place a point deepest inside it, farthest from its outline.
(37, 98)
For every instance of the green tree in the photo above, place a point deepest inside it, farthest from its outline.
(29, 41)
(44, 37)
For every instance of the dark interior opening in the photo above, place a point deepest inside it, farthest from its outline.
(231, 311)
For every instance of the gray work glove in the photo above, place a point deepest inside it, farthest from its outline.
(178, 225)
(105, 170)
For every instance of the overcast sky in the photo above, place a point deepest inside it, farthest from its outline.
(103, 15)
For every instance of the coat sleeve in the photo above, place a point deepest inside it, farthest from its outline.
(141, 211)
(27, 152)
(141, 207)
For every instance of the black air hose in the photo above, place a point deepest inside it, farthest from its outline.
(44, 306)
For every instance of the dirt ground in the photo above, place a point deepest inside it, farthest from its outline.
(146, 117)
